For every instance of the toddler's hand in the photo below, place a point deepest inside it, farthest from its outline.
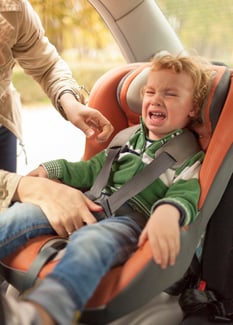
(39, 172)
(162, 231)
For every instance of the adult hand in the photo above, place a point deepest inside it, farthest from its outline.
(163, 232)
(66, 208)
(87, 119)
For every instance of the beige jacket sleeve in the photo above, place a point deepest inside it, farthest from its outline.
(28, 45)
(33, 51)
(8, 185)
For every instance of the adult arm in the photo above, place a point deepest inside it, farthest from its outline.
(40, 59)
(8, 185)
(66, 208)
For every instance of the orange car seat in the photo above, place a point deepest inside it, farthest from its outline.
(123, 109)
(127, 287)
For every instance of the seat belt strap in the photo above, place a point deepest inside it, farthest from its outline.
(114, 148)
(136, 184)
(102, 177)
(177, 150)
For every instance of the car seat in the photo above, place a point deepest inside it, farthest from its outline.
(123, 109)
(127, 288)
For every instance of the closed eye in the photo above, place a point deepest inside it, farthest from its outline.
(149, 91)
(171, 94)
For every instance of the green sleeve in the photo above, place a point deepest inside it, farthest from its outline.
(184, 195)
(185, 190)
(81, 174)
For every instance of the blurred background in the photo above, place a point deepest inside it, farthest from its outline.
(84, 41)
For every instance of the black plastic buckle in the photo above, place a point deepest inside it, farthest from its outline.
(103, 201)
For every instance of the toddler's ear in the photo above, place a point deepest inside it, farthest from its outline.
(193, 112)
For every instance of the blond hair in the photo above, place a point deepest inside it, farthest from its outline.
(198, 68)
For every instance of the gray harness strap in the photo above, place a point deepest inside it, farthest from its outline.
(173, 153)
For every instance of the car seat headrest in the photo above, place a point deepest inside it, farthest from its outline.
(129, 92)
(133, 96)
(214, 103)
(130, 101)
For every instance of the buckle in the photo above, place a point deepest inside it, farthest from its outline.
(103, 201)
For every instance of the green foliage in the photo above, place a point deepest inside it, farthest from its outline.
(30, 92)
(86, 73)
(72, 24)
(205, 26)
(80, 35)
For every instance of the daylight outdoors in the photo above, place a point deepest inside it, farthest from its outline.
(84, 41)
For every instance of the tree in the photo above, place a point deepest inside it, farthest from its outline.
(205, 26)
(72, 24)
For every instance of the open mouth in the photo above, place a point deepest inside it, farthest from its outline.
(157, 115)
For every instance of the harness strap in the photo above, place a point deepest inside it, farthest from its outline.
(136, 184)
(45, 255)
(114, 148)
(102, 178)
(174, 153)
(23, 280)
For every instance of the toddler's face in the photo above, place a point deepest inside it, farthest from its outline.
(167, 102)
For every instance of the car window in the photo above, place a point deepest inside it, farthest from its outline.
(204, 26)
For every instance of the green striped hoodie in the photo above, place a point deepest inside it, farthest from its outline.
(179, 187)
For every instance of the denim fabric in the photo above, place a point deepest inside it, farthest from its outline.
(92, 251)
(18, 224)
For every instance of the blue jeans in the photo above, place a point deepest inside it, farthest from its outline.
(91, 252)
(18, 224)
